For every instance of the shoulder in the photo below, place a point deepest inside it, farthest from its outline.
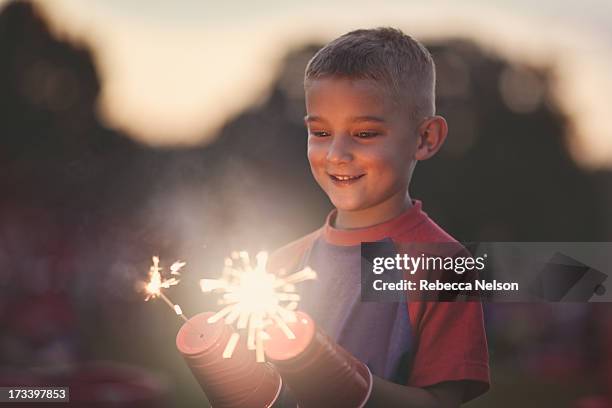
(429, 238)
(427, 230)
(289, 255)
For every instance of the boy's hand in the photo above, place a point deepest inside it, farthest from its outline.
(388, 395)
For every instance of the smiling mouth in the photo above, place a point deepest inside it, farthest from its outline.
(344, 179)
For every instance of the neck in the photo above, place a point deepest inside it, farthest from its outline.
(378, 214)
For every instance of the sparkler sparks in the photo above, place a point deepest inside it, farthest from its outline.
(254, 299)
(157, 283)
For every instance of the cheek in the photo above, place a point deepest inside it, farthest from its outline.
(387, 165)
(316, 155)
(378, 160)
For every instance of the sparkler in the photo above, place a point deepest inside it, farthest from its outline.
(157, 283)
(254, 299)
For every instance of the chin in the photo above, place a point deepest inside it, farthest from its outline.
(347, 205)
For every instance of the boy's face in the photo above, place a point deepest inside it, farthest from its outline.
(360, 146)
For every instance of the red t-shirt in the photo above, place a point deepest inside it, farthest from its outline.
(447, 339)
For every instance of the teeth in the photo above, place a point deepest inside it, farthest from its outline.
(345, 178)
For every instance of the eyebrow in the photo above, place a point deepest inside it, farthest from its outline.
(366, 118)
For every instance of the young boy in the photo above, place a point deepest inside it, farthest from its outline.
(371, 116)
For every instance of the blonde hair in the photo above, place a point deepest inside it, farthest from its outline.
(386, 55)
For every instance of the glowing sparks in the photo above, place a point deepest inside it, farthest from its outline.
(251, 297)
(231, 345)
(255, 299)
(156, 283)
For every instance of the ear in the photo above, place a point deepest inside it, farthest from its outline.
(431, 136)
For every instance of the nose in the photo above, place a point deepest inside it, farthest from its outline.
(340, 150)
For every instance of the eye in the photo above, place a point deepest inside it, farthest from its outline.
(319, 133)
(366, 134)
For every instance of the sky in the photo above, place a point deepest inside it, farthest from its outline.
(173, 72)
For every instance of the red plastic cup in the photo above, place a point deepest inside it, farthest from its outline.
(233, 382)
(318, 371)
